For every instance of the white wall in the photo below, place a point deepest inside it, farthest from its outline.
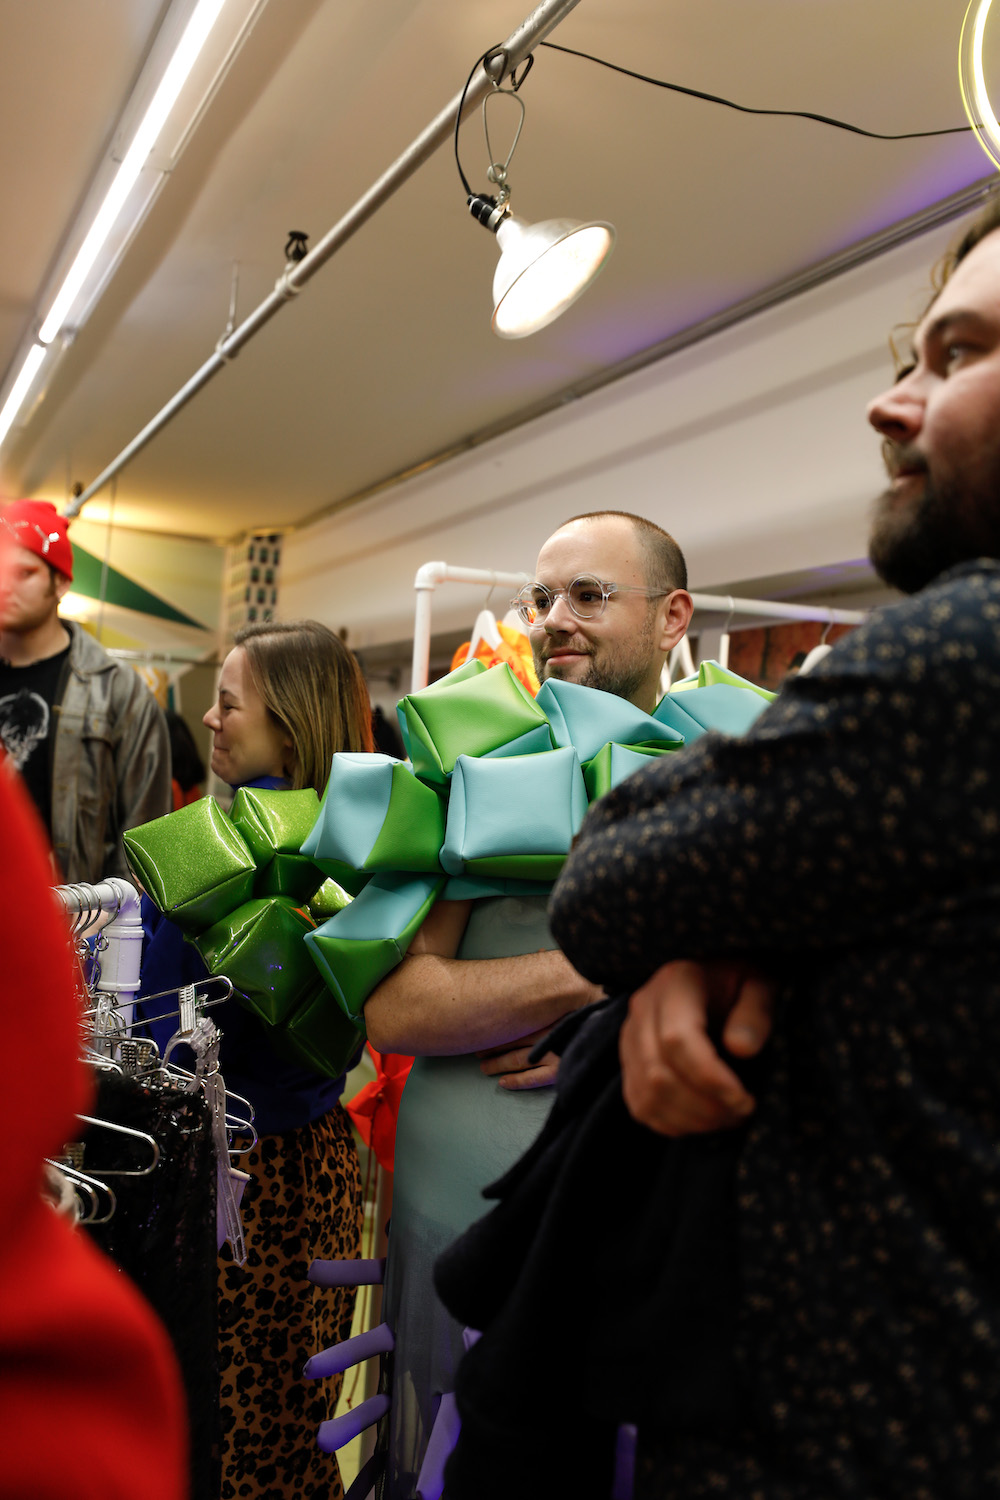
(751, 448)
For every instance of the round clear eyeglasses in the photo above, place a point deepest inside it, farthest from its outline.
(586, 596)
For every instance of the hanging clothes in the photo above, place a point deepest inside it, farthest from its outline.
(163, 1236)
(496, 641)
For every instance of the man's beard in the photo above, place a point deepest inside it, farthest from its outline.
(621, 670)
(24, 620)
(913, 541)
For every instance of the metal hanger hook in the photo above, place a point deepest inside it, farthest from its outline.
(497, 171)
(729, 618)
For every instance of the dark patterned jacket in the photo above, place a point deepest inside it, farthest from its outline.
(110, 764)
(849, 843)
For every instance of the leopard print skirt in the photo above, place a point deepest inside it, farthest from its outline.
(304, 1203)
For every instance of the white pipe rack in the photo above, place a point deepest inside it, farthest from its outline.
(121, 947)
(427, 579)
(431, 574)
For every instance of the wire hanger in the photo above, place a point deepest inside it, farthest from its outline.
(201, 999)
(724, 637)
(93, 1188)
(484, 629)
(815, 656)
(684, 656)
(126, 1130)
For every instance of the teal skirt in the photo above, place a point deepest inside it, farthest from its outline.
(458, 1132)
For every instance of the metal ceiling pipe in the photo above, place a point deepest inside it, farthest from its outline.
(542, 20)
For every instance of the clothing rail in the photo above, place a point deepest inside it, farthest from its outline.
(205, 658)
(427, 579)
(771, 608)
(120, 942)
(433, 573)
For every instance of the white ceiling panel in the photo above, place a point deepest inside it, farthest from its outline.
(386, 359)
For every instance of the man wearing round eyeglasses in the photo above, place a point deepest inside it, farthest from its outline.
(608, 602)
(483, 981)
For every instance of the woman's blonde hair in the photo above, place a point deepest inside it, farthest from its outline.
(312, 687)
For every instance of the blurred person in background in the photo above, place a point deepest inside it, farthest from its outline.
(187, 766)
(85, 733)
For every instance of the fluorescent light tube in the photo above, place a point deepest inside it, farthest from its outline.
(20, 388)
(195, 35)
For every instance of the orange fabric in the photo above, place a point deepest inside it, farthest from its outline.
(89, 1394)
(375, 1108)
(514, 649)
(181, 797)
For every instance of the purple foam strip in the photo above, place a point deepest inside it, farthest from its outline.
(444, 1436)
(340, 1357)
(347, 1272)
(623, 1487)
(333, 1435)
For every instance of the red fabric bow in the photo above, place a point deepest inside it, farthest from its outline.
(374, 1108)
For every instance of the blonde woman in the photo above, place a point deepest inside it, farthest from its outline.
(290, 695)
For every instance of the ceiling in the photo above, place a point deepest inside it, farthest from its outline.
(386, 361)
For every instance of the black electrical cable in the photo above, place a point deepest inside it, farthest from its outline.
(745, 109)
(458, 116)
(515, 82)
(679, 88)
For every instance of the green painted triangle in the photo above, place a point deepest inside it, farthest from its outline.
(122, 591)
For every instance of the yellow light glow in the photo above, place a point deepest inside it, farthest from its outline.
(79, 607)
(972, 79)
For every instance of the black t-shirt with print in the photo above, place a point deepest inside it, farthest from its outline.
(28, 724)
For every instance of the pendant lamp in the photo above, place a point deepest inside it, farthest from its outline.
(543, 267)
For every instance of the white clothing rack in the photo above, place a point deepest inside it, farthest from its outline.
(431, 574)
(151, 657)
(121, 938)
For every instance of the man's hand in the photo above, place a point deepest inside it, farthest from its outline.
(509, 1064)
(673, 1078)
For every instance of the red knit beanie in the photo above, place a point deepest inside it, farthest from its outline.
(38, 526)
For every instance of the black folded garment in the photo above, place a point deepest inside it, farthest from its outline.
(604, 1283)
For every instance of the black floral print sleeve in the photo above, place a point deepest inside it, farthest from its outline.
(863, 805)
(850, 844)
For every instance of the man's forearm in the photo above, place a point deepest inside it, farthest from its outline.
(436, 1006)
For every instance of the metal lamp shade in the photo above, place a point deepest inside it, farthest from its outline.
(543, 269)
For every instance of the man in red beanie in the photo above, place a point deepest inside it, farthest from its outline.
(83, 730)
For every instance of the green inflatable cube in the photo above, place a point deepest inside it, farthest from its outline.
(193, 864)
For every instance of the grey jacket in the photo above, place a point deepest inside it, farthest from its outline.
(111, 761)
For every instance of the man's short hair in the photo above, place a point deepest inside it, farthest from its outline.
(663, 561)
(985, 222)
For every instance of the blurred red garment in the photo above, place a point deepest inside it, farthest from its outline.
(90, 1400)
(182, 798)
(374, 1108)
